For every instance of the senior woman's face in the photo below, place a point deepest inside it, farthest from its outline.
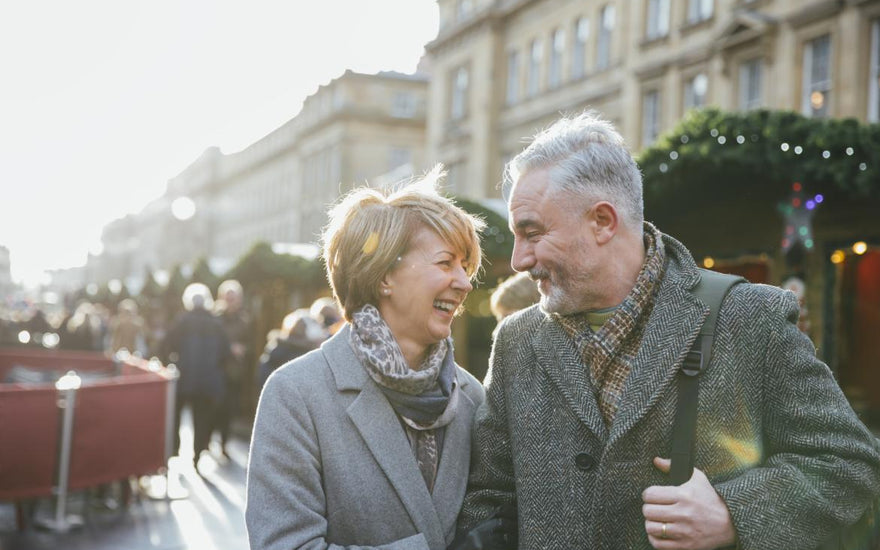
(420, 295)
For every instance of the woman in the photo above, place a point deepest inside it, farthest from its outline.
(365, 442)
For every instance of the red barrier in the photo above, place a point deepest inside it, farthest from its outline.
(119, 422)
(55, 360)
(29, 430)
(118, 430)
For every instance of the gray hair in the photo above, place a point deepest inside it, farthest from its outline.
(230, 285)
(586, 156)
(197, 295)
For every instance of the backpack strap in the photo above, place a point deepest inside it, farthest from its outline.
(711, 290)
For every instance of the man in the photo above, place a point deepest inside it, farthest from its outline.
(197, 344)
(581, 391)
(237, 326)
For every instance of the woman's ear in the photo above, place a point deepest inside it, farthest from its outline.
(385, 286)
(606, 221)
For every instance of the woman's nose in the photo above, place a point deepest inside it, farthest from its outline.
(461, 281)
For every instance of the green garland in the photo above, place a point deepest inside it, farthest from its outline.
(761, 153)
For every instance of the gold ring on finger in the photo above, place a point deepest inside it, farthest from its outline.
(663, 531)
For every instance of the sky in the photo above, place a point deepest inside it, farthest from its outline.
(103, 101)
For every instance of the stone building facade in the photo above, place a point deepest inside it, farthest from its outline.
(351, 130)
(503, 69)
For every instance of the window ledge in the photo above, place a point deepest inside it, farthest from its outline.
(654, 41)
(693, 26)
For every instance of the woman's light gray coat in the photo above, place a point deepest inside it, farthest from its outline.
(330, 464)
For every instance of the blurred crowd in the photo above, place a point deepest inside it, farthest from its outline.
(212, 340)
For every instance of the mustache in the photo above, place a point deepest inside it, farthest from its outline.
(538, 274)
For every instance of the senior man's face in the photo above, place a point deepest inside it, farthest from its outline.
(554, 244)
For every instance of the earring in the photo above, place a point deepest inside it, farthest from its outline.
(386, 291)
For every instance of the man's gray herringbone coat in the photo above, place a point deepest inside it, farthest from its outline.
(776, 436)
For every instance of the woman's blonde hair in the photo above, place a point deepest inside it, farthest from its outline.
(369, 229)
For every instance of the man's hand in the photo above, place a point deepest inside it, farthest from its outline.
(691, 516)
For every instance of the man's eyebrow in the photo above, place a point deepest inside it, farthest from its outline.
(524, 223)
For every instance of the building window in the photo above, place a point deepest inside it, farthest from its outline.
(397, 157)
(338, 98)
(874, 80)
(699, 10)
(403, 105)
(454, 174)
(536, 51)
(458, 108)
(750, 86)
(512, 77)
(554, 75)
(335, 164)
(579, 54)
(695, 92)
(657, 22)
(603, 46)
(324, 167)
(464, 9)
(650, 117)
(817, 77)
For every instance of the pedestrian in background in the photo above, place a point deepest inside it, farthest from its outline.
(127, 329)
(237, 325)
(83, 330)
(298, 335)
(326, 312)
(516, 292)
(197, 344)
(366, 442)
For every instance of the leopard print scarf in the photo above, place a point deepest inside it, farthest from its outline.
(425, 400)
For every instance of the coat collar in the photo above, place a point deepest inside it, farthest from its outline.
(435, 514)
(672, 327)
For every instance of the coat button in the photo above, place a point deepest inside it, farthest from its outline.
(584, 462)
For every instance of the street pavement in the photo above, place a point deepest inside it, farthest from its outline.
(199, 511)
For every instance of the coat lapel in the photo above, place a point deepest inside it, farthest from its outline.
(454, 463)
(558, 357)
(672, 327)
(380, 429)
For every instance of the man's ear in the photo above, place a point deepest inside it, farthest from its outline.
(605, 220)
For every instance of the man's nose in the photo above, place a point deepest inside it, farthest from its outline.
(523, 257)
